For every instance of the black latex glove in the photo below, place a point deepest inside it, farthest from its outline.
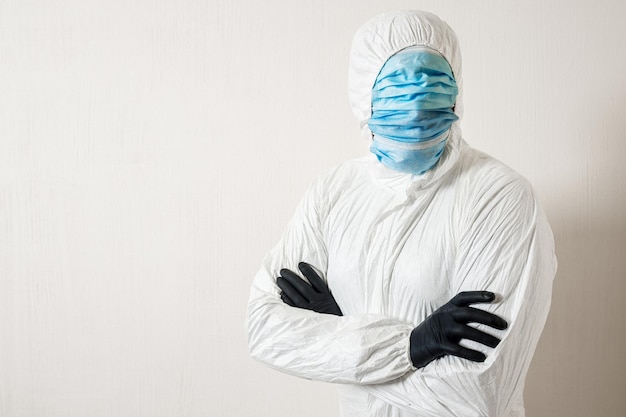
(298, 293)
(441, 332)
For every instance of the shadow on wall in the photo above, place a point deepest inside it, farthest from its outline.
(585, 338)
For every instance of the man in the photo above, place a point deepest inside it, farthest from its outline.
(428, 264)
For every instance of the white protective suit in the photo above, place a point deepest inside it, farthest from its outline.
(393, 248)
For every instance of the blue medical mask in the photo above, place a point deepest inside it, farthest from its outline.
(412, 110)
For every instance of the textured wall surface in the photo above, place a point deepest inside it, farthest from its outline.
(152, 151)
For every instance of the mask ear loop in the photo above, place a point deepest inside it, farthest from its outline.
(371, 113)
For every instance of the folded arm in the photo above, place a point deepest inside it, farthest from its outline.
(508, 248)
(357, 349)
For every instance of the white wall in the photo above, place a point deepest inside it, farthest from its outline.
(152, 151)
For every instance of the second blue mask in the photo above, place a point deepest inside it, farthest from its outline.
(412, 110)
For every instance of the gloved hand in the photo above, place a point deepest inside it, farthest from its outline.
(298, 293)
(441, 332)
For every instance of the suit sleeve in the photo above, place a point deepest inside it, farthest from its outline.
(506, 247)
(356, 349)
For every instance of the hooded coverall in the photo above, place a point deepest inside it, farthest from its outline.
(394, 247)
